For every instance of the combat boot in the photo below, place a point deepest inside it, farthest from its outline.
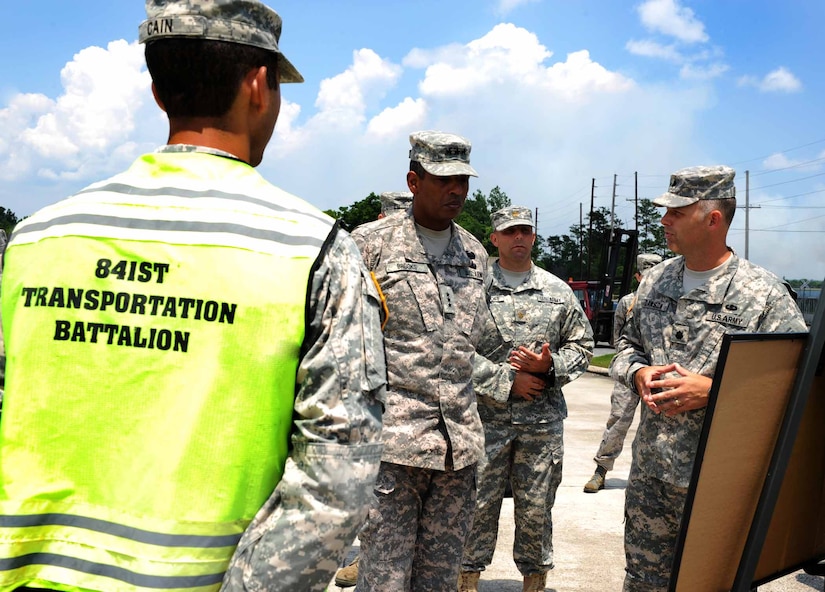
(468, 581)
(596, 481)
(347, 577)
(535, 582)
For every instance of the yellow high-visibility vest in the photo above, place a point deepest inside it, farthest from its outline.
(153, 327)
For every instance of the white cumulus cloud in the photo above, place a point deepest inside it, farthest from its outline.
(779, 80)
(670, 18)
(703, 71)
(407, 115)
(652, 49)
(343, 99)
(513, 55)
(103, 89)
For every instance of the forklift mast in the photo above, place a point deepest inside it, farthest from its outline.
(597, 296)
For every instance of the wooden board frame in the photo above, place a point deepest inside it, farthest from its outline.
(739, 473)
(747, 404)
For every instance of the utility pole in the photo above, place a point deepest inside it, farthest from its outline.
(581, 241)
(747, 209)
(613, 208)
(590, 230)
(636, 199)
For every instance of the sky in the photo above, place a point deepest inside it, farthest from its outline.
(560, 99)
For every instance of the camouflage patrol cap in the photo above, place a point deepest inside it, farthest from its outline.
(248, 22)
(512, 216)
(441, 154)
(687, 186)
(645, 261)
(395, 201)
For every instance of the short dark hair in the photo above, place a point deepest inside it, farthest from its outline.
(201, 77)
(726, 206)
(416, 167)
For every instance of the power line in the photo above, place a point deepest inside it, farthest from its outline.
(791, 196)
(792, 166)
(786, 182)
(782, 151)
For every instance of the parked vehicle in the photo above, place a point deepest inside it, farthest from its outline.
(598, 296)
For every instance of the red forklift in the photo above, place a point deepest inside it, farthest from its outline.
(598, 297)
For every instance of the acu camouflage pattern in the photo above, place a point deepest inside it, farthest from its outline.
(669, 326)
(530, 457)
(524, 439)
(432, 432)
(399, 524)
(430, 420)
(442, 154)
(247, 22)
(623, 401)
(653, 515)
(687, 186)
(644, 261)
(513, 216)
(299, 537)
(543, 309)
(395, 201)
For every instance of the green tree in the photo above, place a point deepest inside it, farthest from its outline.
(475, 217)
(651, 231)
(365, 210)
(560, 256)
(8, 220)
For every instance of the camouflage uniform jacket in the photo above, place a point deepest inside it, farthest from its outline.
(437, 315)
(298, 536)
(624, 308)
(543, 309)
(668, 326)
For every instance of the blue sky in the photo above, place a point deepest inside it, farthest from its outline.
(552, 93)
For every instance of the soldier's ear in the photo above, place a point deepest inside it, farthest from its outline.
(412, 181)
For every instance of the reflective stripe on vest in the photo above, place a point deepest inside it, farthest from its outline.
(151, 369)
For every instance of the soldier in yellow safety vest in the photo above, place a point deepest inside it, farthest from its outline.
(194, 363)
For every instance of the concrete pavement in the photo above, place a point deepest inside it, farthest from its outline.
(588, 528)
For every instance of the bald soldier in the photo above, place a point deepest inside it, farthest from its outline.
(669, 351)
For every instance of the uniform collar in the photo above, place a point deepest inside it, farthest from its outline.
(455, 254)
(713, 292)
(181, 148)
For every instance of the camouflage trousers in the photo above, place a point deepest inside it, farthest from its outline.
(623, 403)
(530, 457)
(415, 529)
(653, 514)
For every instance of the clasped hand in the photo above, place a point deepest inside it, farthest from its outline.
(528, 364)
(672, 394)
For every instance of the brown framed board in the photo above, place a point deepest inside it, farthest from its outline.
(788, 528)
(750, 394)
(755, 508)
